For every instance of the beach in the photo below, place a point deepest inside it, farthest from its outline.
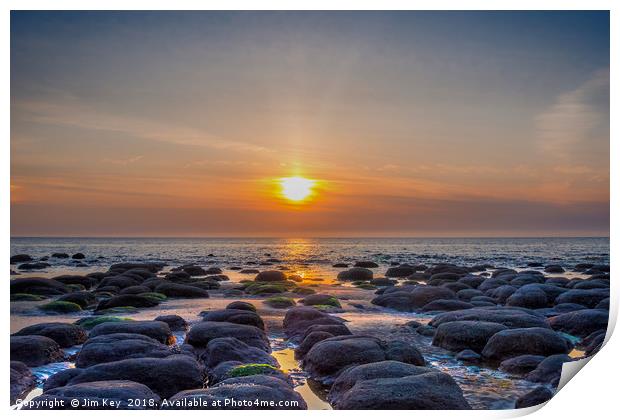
(444, 307)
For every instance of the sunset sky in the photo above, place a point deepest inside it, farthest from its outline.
(409, 123)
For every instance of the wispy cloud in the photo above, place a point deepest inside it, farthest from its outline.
(578, 118)
(75, 114)
(123, 162)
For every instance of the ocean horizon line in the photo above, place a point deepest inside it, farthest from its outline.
(318, 237)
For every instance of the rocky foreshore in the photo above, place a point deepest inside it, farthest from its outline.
(524, 323)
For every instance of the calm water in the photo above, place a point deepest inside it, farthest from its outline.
(505, 252)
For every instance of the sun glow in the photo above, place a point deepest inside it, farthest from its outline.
(296, 188)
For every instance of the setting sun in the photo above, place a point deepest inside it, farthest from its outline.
(296, 188)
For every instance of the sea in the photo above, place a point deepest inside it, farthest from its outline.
(318, 252)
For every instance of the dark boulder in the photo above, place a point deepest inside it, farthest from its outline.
(592, 284)
(135, 290)
(554, 269)
(502, 293)
(85, 281)
(563, 308)
(235, 316)
(194, 270)
(461, 335)
(549, 370)
(20, 258)
(594, 342)
(175, 322)
(66, 335)
(468, 355)
(471, 280)
(146, 267)
(246, 306)
(446, 305)
(201, 333)
(482, 304)
(33, 266)
(424, 390)
(456, 286)
(382, 281)
(504, 272)
(22, 381)
(525, 279)
(235, 369)
(521, 365)
(535, 397)
(417, 298)
(529, 296)
(355, 274)
(38, 286)
(588, 297)
(491, 283)
(512, 318)
(369, 371)
(181, 291)
(270, 276)
(399, 301)
(120, 281)
(35, 350)
(241, 394)
(229, 349)
(483, 299)
(468, 294)
(309, 341)
(446, 268)
(516, 342)
(328, 358)
(336, 329)
(557, 281)
(603, 304)
(78, 256)
(60, 255)
(120, 346)
(298, 319)
(102, 395)
(157, 330)
(83, 299)
(400, 271)
(366, 264)
(165, 377)
(580, 323)
(135, 301)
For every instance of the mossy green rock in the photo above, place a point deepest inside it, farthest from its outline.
(279, 302)
(366, 286)
(252, 369)
(92, 321)
(75, 287)
(118, 310)
(265, 288)
(322, 300)
(304, 291)
(61, 307)
(154, 295)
